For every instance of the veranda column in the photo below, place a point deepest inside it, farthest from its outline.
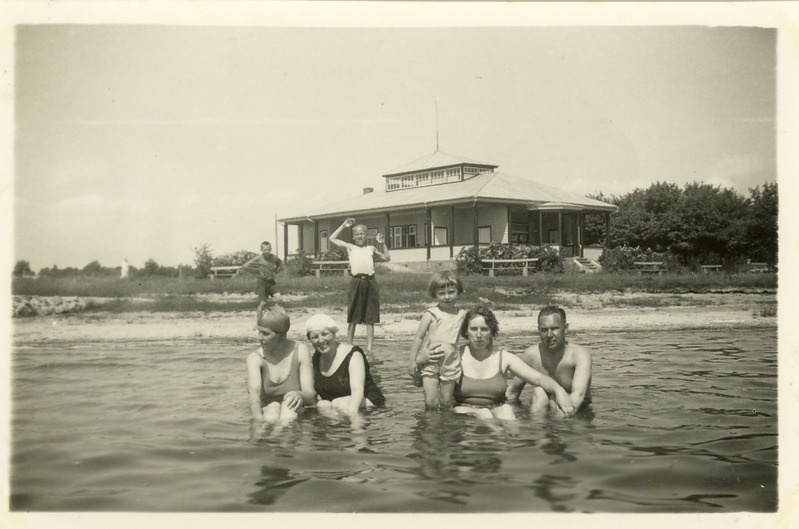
(428, 236)
(607, 230)
(476, 231)
(285, 241)
(317, 244)
(451, 237)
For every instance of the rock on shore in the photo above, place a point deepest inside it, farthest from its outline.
(25, 306)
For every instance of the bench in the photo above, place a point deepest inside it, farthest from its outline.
(223, 271)
(492, 265)
(759, 268)
(330, 266)
(649, 267)
(710, 268)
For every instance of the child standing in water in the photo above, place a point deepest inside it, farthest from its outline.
(441, 324)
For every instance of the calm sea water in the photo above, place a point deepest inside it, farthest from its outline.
(681, 422)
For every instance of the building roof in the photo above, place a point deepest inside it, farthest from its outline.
(485, 187)
(434, 161)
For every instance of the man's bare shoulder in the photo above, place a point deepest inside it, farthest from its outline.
(531, 356)
(577, 352)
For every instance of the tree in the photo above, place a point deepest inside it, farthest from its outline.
(22, 269)
(92, 269)
(150, 267)
(203, 260)
(761, 224)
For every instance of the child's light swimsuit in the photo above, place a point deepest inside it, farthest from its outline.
(444, 331)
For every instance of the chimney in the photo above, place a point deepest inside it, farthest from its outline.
(367, 190)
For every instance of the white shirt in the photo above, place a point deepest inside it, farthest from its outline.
(361, 259)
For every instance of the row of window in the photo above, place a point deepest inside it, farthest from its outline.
(404, 236)
(426, 178)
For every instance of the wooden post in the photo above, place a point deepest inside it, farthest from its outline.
(540, 228)
(388, 231)
(301, 237)
(451, 235)
(580, 230)
(285, 242)
(429, 234)
(474, 218)
(316, 242)
(560, 228)
(607, 230)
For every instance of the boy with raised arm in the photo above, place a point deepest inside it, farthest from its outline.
(364, 293)
(566, 362)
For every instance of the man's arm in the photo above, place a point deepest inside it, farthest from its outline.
(334, 236)
(581, 380)
(249, 266)
(381, 250)
(516, 384)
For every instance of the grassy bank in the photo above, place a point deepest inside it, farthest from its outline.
(399, 291)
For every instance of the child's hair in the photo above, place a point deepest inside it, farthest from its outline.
(443, 279)
(360, 227)
(266, 243)
(486, 314)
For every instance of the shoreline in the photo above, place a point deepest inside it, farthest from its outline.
(586, 314)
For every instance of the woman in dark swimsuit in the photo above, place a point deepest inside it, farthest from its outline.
(342, 379)
(481, 390)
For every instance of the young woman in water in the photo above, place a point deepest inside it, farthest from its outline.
(279, 373)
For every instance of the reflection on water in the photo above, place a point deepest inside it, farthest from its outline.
(678, 424)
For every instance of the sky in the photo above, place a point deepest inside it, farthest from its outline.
(145, 141)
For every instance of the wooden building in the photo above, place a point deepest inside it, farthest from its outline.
(432, 207)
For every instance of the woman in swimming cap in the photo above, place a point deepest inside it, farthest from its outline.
(341, 372)
(279, 374)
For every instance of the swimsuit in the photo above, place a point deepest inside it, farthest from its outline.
(338, 384)
(363, 298)
(275, 391)
(482, 391)
(445, 330)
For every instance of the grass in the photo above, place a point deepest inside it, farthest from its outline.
(400, 292)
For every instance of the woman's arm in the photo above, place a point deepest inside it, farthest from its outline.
(357, 370)
(306, 376)
(254, 385)
(421, 332)
(528, 374)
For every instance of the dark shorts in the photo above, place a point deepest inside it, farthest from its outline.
(363, 300)
(265, 288)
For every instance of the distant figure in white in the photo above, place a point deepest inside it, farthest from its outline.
(123, 274)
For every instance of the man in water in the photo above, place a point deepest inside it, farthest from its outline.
(568, 363)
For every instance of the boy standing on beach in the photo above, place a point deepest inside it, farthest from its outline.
(364, 293)
(266, 265)
(566, 362)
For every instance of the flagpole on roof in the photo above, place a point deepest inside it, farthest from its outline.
(436, 124)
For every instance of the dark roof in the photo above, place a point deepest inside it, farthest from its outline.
(485, 187)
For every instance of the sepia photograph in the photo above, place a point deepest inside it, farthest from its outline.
(398, 258)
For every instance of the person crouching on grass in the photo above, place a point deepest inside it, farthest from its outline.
(280, 373)
(566, 362)
(364, 292)
(441, 324)
(266, 265)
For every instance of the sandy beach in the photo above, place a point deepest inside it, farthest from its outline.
(587, 313)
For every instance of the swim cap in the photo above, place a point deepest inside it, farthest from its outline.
(319, 322)
(274, 319)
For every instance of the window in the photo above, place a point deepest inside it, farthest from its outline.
(371, 236)
(440, 237)
(403, 236)
(519, 233)
(324, 244)
(484, 235)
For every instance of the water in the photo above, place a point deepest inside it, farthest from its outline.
(681, 422)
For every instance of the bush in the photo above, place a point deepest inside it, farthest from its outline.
(335, 253)
(300, 264)
(203, 261)
(233, 259)
(470, 260)
(621, 259)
